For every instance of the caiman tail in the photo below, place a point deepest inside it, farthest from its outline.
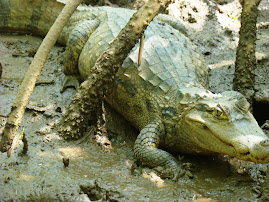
(31, 17)
(35, 17)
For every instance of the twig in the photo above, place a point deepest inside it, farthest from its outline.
(141, 49)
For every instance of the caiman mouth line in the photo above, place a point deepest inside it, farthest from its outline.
(247, 156)
(205, 127)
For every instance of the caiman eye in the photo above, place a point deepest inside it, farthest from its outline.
(219, 113)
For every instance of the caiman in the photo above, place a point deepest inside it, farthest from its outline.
(166, 97)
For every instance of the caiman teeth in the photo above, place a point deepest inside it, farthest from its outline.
(249, 157)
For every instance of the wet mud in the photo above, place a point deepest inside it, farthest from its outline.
(102, 166)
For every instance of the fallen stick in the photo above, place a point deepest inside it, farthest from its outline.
(28, 84)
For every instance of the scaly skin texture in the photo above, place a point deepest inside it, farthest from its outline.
(166, 97)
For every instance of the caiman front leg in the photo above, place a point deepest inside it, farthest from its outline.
(70, 81)
(76, 41)
(147, 153)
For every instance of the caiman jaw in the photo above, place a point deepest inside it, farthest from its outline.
(243, 152)
(257, 151)
(232, 142)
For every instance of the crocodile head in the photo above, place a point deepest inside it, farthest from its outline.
(225, 125)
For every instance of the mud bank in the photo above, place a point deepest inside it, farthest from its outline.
(102, 167)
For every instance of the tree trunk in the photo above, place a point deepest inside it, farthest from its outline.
(245, 63)
(27, 86)
(86, 104)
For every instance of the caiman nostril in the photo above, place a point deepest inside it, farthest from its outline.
(265, 143)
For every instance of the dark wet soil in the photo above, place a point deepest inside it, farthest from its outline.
(101, 167)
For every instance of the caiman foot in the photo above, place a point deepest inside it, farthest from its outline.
(70, 81)
(174, 173)
(148, 154)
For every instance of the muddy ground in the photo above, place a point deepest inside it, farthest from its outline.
(102, 167)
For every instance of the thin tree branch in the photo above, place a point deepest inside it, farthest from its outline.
(86, 104)
(28, 84)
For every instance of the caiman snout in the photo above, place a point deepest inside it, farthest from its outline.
(260, 151)
(253, 148)
(265, 143)
(249, 140)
